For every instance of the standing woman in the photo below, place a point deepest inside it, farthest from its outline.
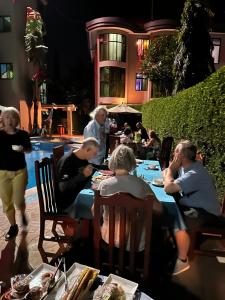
(13, 172)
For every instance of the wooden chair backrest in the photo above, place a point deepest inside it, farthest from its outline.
(129, 210)
(58, 152)
(45, 186)
(165, 152)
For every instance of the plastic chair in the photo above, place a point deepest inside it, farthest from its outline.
(132, 211)
(48, 209)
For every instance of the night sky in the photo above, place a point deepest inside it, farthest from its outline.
(69, 65)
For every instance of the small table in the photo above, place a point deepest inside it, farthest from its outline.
(85, 200)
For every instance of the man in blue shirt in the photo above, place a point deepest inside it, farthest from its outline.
(198, 199)
(98, 128)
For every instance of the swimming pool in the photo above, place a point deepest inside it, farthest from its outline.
(40, 149)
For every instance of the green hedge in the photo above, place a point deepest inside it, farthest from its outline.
(197, 114)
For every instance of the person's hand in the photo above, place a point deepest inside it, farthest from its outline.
(88, 170)
(176, 163)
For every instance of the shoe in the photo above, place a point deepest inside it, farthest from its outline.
(24, 221)
(180, 267)
(13, 231)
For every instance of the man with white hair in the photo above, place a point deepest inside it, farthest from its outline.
(98, 128)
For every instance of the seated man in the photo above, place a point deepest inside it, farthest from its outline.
(73, 173)
(197, 192)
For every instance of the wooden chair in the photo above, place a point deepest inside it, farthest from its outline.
(164, 156)
(48, 209)
(208, 232)
(129, 209)
(58, 152)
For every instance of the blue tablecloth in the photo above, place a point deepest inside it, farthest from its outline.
(84, 200)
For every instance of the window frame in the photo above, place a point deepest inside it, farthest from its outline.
(142, 78)
(3, 17)
(144, 50)
(8, 78)
(104, 41)
(218, 39)
(110, 81)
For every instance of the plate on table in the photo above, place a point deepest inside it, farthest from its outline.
(158, 182)
(139, 161)
(106, 172)
(124, 286)
(152, 167)
(72, 277)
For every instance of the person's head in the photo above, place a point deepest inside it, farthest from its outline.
(152, 134)
(90, 148)
(10, 117)
(122, 159)
(127, 131)
(186, 151)
(100, 114)
(139, 125)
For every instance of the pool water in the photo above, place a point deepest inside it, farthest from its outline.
(40, 150)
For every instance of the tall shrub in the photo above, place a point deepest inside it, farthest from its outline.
(197, 114)
(193, 62)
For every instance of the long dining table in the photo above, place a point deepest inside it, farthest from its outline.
(85, 198)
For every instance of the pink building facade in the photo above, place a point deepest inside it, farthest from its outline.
(117, 48)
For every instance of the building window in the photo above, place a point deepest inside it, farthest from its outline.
(142, 48)
(5, 23)
(43, 93)
(112, 47)
(6, 71)
(112, 82)
(141, 82)
(216, 50)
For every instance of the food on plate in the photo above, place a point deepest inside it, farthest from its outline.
(106, 172)
(100, 177)
(109, 291)
(158, 181)
(82, 282)
(152, 167)
(20, 288)
(35, 293)
(46, 278)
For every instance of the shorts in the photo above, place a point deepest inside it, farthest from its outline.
(12, 188)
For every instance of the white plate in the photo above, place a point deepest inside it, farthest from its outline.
(37, 273)
(157, 182)
(139, 161)
(72, 274)
(128, 286)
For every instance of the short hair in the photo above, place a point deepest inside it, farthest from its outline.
(188, 149)
(127, 131)
(13, 112)
(97, 110)
(122, 158)
(90, 143)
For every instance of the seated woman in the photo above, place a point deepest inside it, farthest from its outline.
(122, 162)
(153, 146)
(127, 136)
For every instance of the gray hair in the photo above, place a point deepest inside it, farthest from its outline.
(122, 158)
(13, 112)
(97, 111)
(90, 143)
(188, 149)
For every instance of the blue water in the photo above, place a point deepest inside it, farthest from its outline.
(40, 150)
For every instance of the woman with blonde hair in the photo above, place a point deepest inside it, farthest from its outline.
(13, 172)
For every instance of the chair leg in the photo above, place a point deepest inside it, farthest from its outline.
(193, 240)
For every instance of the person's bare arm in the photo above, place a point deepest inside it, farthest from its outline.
(170, 186)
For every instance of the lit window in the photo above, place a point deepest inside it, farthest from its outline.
(141, 82)
(6, 71)
(112, 82)
(5, 24)
(43, 93)
(112, 47)
(142, 48)
(216, 50)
